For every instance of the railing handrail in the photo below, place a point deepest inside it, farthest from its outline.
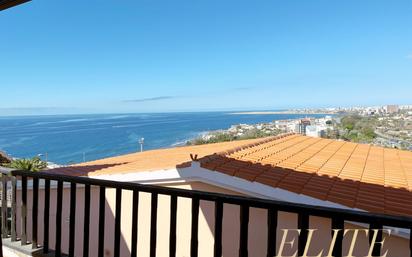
(320, 211)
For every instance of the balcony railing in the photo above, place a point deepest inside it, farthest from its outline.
(19, 181)
(4, 4)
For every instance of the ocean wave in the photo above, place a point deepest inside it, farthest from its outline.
(128, 126)
(179, 143)
(16, 142)
(116, 117)
(60, 121)
(146, 124)
(190, 136)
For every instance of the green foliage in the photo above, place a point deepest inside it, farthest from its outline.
(33, 164)
(215, 138)
(368, 132)
(349, 122)
(331, 133)
(222, 136)
(358, 129)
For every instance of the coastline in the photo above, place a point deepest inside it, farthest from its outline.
(67, 139)
(277, 112)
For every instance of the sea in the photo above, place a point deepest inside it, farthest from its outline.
(68, 139)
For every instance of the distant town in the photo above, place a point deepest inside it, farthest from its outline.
(387, 126)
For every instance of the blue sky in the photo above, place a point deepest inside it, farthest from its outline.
(154, 56)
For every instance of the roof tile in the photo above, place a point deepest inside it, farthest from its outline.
(358, 176)
(355, 175)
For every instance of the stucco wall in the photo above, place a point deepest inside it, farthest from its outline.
(399, 247)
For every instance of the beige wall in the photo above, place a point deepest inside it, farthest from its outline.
(398, 247)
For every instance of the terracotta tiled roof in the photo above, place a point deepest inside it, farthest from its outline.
(360, 176)
(148, 160)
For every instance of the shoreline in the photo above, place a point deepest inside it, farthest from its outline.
(278, 112)
(125, 128)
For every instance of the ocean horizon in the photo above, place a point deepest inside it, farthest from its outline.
(68, 139)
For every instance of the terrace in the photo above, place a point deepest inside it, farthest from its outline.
(55, 214)
(37, 203)
(234, 199)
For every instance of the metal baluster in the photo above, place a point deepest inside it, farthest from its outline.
(135, 222)
(35, 212)
(4, 227)
(338, 223)
(117, 222)
(173, 218)
(153, 225)
(46, 216)
(377, 247)
(102, 202)
(218, 228)
(13, 208)
(244, 231)
(59, 218)
(195, 228)
(410, 242)
(72, 224)
(272, 221)
(303, 225)
(86, 226)
(23, 210)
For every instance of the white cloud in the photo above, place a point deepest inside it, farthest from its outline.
(409, 56)
(149, 99)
